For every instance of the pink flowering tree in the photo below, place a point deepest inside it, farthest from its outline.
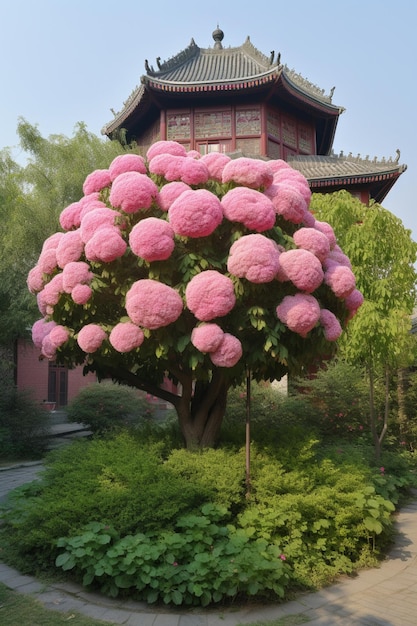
(195, 270)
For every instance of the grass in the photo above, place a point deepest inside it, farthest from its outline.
(18, 609)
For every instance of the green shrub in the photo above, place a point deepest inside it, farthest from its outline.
(326, 517)
(116, 481)
(339, 400)
(325, 510)
(201, 561)
(24, 425)
(106, 407)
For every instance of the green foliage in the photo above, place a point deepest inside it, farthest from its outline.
(321, 516)
(201, 561)
(107, 407)
(324, 510)
(116, 481)
(382, 254)
(23, 425)
(338, 397)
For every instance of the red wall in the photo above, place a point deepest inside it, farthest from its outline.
(32, 373)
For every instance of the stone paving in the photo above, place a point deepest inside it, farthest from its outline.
(386, 596)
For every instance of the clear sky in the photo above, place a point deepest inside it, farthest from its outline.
(69, 61)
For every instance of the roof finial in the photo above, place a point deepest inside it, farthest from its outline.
(218, 35)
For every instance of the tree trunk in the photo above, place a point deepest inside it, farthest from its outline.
(402, 383)
(201, 410)
(200, 406)
(372, 418)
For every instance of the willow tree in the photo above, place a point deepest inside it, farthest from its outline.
(382, 254)
(193, 270)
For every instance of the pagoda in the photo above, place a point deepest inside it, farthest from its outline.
(241, 102)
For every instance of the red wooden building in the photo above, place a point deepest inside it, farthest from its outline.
(239, 101)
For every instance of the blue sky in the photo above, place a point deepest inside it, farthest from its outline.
(67, 61)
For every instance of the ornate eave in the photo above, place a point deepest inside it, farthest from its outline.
(339, 172)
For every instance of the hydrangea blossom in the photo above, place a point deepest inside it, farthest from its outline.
(58, 335)
(195, 213)
(207, 337)
(96, 219)
(312, 240)
(70, 217)
(215, 162)
(152, 239)
(336, 257)
(47, 260)
(48, 350)
(325, 228)
(127, 163)
(194, 172)
(331, 325)
(353, 302)
(170, 192)
(35, 280)
(228, 353)
(40, 329)
(210, 295)
(250, 207)
(248, 172)
(90, 203)
(340, 279)
(167, 165)
(291, 178)
(96, 181)
(133, 192)
(152, 304)
(126, 336)
(105, 245)
(74, 273)
(254, 257)
(302, 268)
(300, 313)
(81, 293)
(91, 337)
(52, 242)
(70, 248)
(288, 202)
(52, 290)
(166, 147)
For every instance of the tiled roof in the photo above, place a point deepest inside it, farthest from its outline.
(339, 166)
(235, 66)
(341, 171)
(222, 69)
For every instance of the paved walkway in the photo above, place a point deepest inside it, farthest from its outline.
(386, 596)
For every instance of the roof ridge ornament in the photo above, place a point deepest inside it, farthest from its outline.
(218, 35)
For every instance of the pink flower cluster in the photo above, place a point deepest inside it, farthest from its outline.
(210, 294)
(152, 304)
(152, 239)
(195, 213)
(250, 207)
(300, 313)
(255, 258)
(144, 207)
(224, 349)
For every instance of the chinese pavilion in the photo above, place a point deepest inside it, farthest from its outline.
(244, 103)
